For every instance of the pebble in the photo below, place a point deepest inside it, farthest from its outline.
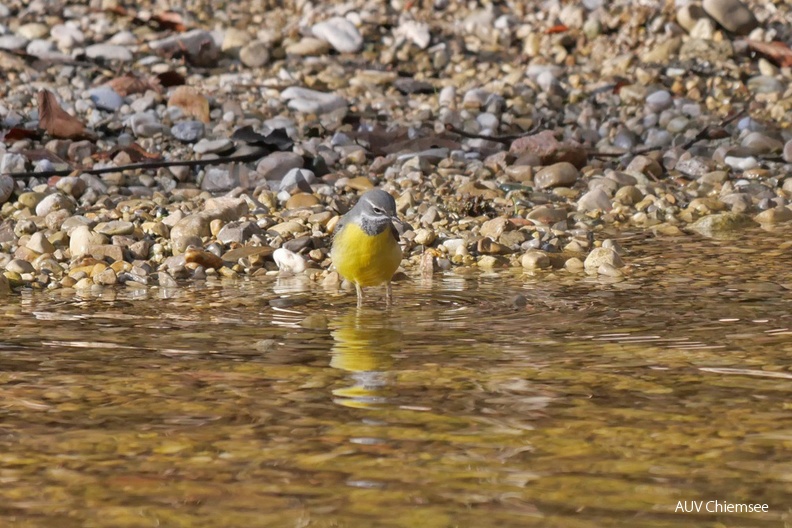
(188, 131)
(82, 240)
(13, 162)
(108, 52)
(254, 54)
(732, 15)
(19, 266)
(115, 227)
(416, 32)
(13, 42)
(105, 98)
(340, 33)
(721, 224)
(659, 101)
(312, 101)
(213, 146)
(145, 124)
(594, 200)
(288, 261)
(308, 47)
(787, 153)
(7, 186)
(38, 242)
(53, 202)
(602, 255)
(297, 179)
(773, 216)
(276, 165)
(106, 277)
(535, 259)
(67, 36)
(561, 174)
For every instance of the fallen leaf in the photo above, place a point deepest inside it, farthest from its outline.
(560, 28)
(17, 134)
(191, 102)
(170, 21)
(129, 84)
(135, 152)
(776, 51)
(56, 121)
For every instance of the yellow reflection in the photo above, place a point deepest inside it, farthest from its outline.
(364, 344)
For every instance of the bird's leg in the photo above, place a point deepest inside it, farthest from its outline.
(388, 294)
(359, 295)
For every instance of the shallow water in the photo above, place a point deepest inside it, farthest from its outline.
(276, 403)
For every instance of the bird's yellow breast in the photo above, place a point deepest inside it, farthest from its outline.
(364, 259)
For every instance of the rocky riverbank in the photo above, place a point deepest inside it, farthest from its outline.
(511, 135)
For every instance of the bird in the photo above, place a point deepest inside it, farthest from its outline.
(365, 247)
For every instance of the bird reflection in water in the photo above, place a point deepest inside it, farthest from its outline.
(365, 341)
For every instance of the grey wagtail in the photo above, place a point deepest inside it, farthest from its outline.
(366, 248)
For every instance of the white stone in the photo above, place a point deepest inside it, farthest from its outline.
(416, 32)
(339, 33)
(288, 261)
(312, 101)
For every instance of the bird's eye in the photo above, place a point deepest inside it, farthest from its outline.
(378, 210)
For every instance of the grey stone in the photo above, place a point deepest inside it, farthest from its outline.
(12, 162)
(213, 146)
(278, 164)
(238, 232)
(732, 15)
(6, 187)
(254, 54)
(109, 52)
(218, 179)
(144, 124)
(297, 179)
(105, 98)
(13, 42)
(188, 131)
(659, 101)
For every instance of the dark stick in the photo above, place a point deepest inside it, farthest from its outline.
(253, 156)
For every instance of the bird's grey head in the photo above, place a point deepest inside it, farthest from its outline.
(375, 211)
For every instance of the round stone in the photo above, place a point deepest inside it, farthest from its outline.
(561, 174)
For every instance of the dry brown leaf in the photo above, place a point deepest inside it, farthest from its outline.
(128, 84)
(776, 51)
(56, 121)
(191, 102)
(168, 20)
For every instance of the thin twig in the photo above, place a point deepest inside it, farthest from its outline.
(253, 156)
(497, 139)
(702, 134)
